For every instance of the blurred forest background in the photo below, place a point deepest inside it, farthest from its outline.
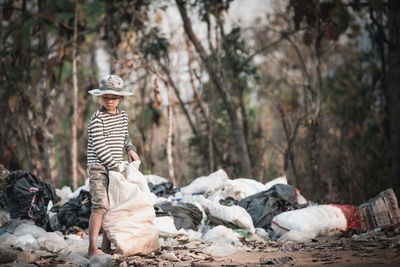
(309, 89)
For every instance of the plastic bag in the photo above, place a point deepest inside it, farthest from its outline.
(27, 197)
(264, 205)
(221, 234)
(186, 215)
(206, 184)
(235, 215)
(241, 188)
(26, 242)
(52, 241)
(65, 193)
(76, 212)
(129, 222)
(310, 222)
(31, 229)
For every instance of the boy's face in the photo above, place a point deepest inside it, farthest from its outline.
(110, 102)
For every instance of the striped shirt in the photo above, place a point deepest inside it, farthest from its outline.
(107, 137)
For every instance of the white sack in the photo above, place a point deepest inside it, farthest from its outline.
(129, 221)
(241, 188)
(310, 222)
(234, 214)
(206, 184)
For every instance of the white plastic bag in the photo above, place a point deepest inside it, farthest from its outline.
(206, 184)
(221, 234)
(26, 228)
(241, 188)
(26, 242)
(310, 222)
(233, 214)
(8, 240)
(64, 193)
(129, 221)
(52, 241)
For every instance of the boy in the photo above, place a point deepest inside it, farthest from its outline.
(108, 136)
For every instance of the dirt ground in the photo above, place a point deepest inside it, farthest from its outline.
(374, 248)
(342, 249)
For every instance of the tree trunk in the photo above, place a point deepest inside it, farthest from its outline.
(220, 84)
(394, 92)
(169, 140)
(74, 145)
(202, 148)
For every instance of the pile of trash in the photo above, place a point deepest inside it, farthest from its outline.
(215, 210)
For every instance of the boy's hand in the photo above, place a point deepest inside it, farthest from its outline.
(132, 156)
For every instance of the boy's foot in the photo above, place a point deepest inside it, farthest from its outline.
(96, 252)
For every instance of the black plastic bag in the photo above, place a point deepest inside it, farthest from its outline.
(163, 190)
(264, 205)
(76, 212)
(26, 197)
(186, 215)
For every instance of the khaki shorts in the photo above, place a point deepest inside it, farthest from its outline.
(98, 182)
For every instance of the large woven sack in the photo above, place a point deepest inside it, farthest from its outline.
(129, 221)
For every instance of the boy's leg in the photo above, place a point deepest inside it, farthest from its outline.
(98, 181)
(94, 229)
(106, 244)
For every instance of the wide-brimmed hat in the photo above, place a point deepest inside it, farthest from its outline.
(111, 85)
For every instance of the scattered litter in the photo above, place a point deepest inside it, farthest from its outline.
(170, 256)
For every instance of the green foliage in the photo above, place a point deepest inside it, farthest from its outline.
(154, 45)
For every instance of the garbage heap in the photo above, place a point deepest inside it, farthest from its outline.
(215, 209)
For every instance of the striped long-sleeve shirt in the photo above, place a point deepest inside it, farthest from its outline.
(107, 137)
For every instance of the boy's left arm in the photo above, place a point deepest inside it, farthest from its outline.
(132, 156)
(130, 149)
